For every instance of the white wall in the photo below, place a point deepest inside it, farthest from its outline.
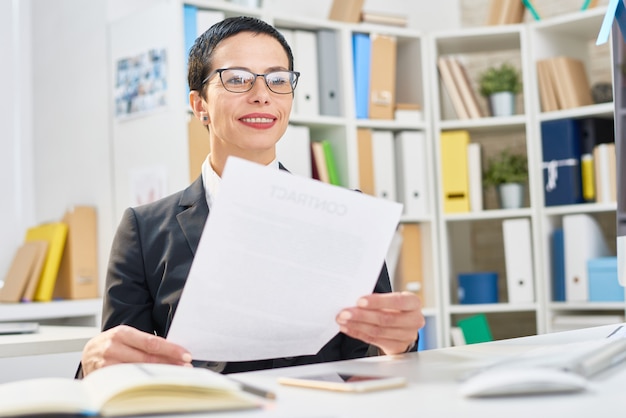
(54, 125)
(16, 172)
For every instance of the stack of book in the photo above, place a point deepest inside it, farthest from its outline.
(58, 260)
(456, 82)
(505, 12)
(563, 83)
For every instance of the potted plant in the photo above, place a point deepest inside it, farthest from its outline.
(500, 85)
(508, 172)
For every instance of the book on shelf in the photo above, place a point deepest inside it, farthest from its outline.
(583, 240)
(26, 265)
(346, 10)
(412, 172)
(126, 389)
(55, 234)
(547, 92)
(464, 86)
(605, 173)
(331, 93)
(331, 163)
(558, 265)
(294, 150)
(571, 82)
(361, 56)
(384, 18)
(561, 149)
(78, 271)
(408, 112)
(409, 273)
(475, 176)
(365, 155)
(518, 258)
(306, 96)
(383, 152)
(505, 12)
(454, 171)
(382, 96)
(447, 79)
(319, 159)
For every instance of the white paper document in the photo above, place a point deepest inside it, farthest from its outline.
(279, 257)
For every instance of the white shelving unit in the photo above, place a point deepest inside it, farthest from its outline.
(522, 44)
(573, 35)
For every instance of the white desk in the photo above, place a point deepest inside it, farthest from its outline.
(54, 351)
(432, 391)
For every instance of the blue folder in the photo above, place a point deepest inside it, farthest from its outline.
(558, 266)
(362, 51)
(561, 146)
(190, 31)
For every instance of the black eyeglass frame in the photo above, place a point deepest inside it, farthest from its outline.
(219, 71)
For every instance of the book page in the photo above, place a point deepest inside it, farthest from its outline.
(279, 257)
(109, 382)
(46, 395)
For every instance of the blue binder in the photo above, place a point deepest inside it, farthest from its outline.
(362, 51)
(190, 31)
(558, 266)
(561, 146)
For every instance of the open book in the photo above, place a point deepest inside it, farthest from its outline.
(126, 389)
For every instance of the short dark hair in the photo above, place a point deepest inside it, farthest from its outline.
(201, 53)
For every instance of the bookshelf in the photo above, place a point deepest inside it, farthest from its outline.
(473, 240)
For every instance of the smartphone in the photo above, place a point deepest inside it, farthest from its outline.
(345, 382)
(18, 327)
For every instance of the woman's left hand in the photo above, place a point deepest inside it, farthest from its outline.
(389, 321)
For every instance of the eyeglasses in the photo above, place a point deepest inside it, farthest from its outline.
(241, 81)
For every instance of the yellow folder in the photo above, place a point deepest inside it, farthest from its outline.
(454, 171)
(55, 233)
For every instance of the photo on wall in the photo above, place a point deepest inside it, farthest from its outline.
(140, 84)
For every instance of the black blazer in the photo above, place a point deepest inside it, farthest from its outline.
(150, 259)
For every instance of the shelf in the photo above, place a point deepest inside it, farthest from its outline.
(485, 124)
(588, 306)
(37, 311)
(488, 214)
(601, 109)
(492, 308)
(582, 208)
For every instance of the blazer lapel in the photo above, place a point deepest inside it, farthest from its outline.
(194, 213)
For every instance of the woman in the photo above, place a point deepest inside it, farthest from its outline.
(241, 80)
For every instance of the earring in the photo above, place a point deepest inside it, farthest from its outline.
(204, 117)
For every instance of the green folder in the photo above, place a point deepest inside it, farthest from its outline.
(475, 329)
(331, 164)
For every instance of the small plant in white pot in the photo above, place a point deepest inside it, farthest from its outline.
(500, 85)
(507, 172)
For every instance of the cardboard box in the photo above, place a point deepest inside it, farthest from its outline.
(603, 283)
(78, 273)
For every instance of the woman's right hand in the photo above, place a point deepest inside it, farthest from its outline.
(125, 344)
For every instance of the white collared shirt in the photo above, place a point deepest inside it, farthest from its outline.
(211, 180)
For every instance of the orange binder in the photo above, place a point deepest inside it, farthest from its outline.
(366, 161)
(78, 272)
(454, 171)
(409, 274)
(55, 233)
(382, 99)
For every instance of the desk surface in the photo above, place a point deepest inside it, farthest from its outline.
(48, 340)
(433, 387)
